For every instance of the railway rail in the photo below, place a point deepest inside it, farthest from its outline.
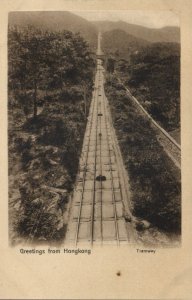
(100, 199)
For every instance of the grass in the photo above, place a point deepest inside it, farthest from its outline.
(154, 179)
(46, 151)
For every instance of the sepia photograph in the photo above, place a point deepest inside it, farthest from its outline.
(94, 147)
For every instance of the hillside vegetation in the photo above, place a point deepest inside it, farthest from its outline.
(120, 44)
(50, 86)
(151, 71)
(153, 76)
(154, 179)
(55, 21)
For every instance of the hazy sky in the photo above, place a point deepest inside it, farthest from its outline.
(146, 18)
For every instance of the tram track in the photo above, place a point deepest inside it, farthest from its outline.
(97, 215)
(90, 124)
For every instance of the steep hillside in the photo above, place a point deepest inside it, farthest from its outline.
(153, 76)
(47, 102)
(55, 21)
(165, 34)
(120, 43)
(155, 181)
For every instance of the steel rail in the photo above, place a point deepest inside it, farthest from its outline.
(101, 223)
(121, 187)
(95, 165)
(85, 167)
(123, 176)
(112, 181)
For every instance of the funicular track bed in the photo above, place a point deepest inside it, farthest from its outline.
(99, 205)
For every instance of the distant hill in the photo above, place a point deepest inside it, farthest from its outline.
(56, 21)
(165, 34)
(120, 43)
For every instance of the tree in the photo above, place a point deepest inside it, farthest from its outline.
(110, 65)
(41, 60)
(26, 60)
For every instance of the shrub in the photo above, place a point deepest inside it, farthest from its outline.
(155, 181)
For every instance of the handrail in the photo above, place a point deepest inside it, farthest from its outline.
(152, 120)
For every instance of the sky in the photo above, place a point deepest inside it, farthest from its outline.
(153, 19)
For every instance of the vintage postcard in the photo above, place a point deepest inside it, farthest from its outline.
(95, 154)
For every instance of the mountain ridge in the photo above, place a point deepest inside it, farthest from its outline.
(55, 21)
(164, 34)
(65, 20)
(121, 44)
